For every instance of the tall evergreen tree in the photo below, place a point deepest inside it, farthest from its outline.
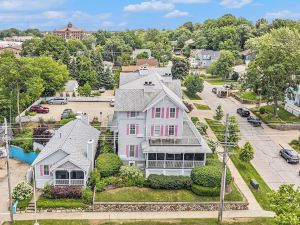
(106, 80)
(97, 64)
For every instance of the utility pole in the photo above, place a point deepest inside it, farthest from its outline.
(34, 195)
(223, 181)
(8, 171)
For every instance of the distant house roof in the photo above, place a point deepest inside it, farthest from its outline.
(72, 139)
(240, 69)
(189, 42)
(15, 47)
(203, 52)
(71, 85)
(147, 62)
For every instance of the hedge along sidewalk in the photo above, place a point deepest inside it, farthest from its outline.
(238, 179)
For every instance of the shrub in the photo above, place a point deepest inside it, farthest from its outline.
(108, 164)
(87, 196)
(209, 176)
(219, 113)
(205, 191)
(27, 113)
(262, 110)
(213, 162)
(66, 192)
(246, 153)
(132, 175)
(47, 191)
(94, 178)
(22, 191)
(100, 185)
(106, 147)
(169, 182)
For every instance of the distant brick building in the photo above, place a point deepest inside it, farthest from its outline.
(70, 32)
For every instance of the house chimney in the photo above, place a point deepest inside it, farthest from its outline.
(148, 86)
(167, 78)
(90, 152)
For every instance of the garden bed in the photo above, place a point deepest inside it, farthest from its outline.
(44, 203)
(247, 97)
(192, 96)
(201, 107)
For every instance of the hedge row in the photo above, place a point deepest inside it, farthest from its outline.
(205, 191)
(169, 182)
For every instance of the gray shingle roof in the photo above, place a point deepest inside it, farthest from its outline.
(71, 85)
(72, 138)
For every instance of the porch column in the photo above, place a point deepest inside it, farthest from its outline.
(204, 159)
(194, 160)
(147, 163)
(165, 160)
(69, 171)
(54, 177)
(183, 162)
(114, 142)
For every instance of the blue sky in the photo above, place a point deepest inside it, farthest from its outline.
(132, 14)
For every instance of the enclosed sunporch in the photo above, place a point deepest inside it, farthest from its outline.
(69, 177)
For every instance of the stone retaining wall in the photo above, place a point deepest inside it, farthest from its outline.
(289, 126)
(243, 101)
(165, 207)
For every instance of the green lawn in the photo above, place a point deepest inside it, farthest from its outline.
(283, 115)
(134, 194)
(246, 170)
(248, 95)
(191, 96)
(295, 145)
(44, 203)
(219, 81)
(201, 107)
(241, 221)
(24, 203)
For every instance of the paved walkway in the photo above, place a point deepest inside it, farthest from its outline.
(139, 215)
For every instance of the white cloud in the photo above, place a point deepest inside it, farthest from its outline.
(176, 13)
(24, 5)
(190, 1)
(235, 3)
(113, 24)
(149, 6)
(53, 15)
(282, 14)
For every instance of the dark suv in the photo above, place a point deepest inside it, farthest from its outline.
(289, 155)
(243, 112)
(254, 121)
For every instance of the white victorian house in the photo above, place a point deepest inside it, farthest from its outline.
(151, 127)
(68, 158)
(292, 101)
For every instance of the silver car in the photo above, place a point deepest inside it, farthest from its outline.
(58, 101)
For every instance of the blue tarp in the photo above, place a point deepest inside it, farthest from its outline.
(19, 154)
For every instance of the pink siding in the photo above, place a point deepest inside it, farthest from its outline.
(162, 112)
(177, 112)
(127, 132)
(136, 151)
(167, 130)
(137, 127)
(152, 130)
(127, 151)
(168, 112)
(161, 130)
(41, 170)
(176, 130)
(152, 112)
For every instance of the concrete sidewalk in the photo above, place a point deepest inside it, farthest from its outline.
(138, 215)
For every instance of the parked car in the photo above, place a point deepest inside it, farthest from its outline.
(214, 90)
(78, 115)
(102, 89)
(39, 109)
(256, 122)
(112, 102)
(243, 112)
(289, 155)
(58, 101)
(66, 113)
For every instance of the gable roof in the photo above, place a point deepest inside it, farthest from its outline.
(72, 138)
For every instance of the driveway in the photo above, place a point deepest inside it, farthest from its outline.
(17, 173)
(265, 141)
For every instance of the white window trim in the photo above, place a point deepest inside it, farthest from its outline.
(131, 163)
(174, 113)
(173, 130)
(130, 151)
(159, 113)
(130, 129)
(44, 170)
(135, 115)
(157, 135)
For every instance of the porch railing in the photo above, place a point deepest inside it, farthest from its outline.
(69, 182)
(173, 164)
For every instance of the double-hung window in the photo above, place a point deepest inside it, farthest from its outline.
(171, 130)
(131, 151)
(172, 112)
(157, 112)
(156, 130)
(46, 170)
(132, 129)
(132, 114)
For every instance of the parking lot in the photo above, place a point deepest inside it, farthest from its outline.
(92, 109)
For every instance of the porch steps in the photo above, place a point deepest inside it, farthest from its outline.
(30, 208)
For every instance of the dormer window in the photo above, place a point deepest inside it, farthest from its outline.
(132, 114)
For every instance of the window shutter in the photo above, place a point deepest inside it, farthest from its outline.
(167, 131)
(176, 130)
(152, 130)
(161, 130)
(137, 127)
(168, 112)
(41, 170)
(127, 132)
(136, 151)
(162, 112)
(177, 112)
(153, 112)
(127, 151)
